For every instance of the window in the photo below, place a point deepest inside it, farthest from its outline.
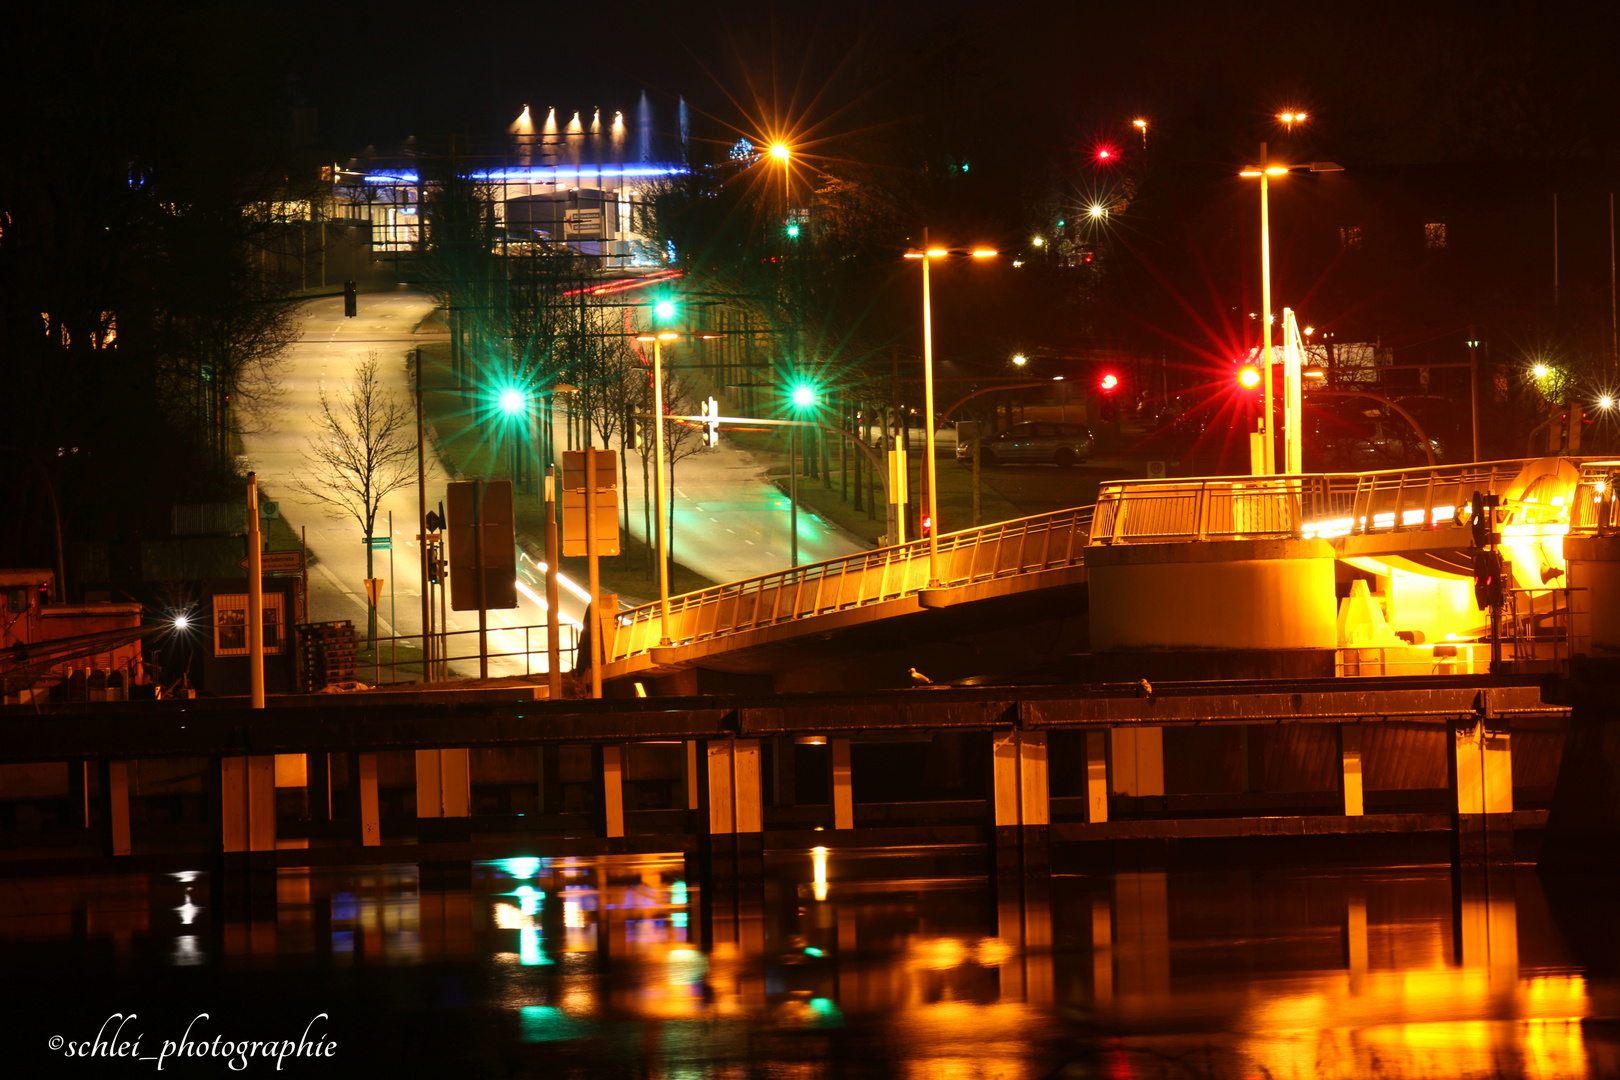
(1350, 236)
(1434, 235)
(230, 624)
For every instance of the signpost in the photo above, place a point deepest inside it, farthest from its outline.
(483, 560)
(591, 508)
(277, 562)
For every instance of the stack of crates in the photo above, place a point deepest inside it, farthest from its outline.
(326, 654)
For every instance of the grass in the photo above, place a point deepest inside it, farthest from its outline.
(955, 489)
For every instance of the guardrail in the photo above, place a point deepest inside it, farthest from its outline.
(456, 654)
(1009, 548)
(1320, 505)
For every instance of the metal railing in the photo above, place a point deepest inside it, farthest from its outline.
(1320, 505)
(401, 656)
(1007, 549)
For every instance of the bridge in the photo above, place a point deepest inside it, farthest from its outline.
(1259, 563)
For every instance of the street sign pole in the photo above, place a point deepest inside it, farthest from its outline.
(393, 606)
(553, 615)
(595, 629)
(255, 597)
(478, 556)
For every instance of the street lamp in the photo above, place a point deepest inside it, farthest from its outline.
(1141, 125)
(658, 476)
(1019, 359)
(927, 255)
(1289, 119)
(1266, 464)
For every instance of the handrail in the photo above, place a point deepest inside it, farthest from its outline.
(1005, 549)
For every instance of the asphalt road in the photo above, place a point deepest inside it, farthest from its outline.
(730, 523)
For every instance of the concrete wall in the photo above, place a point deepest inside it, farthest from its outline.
(1234, 594)
(1594, 565)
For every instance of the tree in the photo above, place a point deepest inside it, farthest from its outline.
(365, 450)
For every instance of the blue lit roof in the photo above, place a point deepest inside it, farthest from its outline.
(540, 174)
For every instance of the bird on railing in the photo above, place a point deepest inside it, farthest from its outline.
(1145, 687)
(919, 679)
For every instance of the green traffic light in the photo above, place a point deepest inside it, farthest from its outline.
(512, 400)
(664, 309)
(793, 231)
(804, 395)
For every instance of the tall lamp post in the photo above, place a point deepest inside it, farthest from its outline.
(804, 397)
(658, 479)
(1266, 463)
(927, 255)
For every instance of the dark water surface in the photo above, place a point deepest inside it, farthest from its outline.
(902, 965)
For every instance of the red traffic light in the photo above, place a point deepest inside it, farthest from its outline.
(1110, 381)
(1248, 377)
(1106, 154)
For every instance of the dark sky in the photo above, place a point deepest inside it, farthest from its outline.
(1397, 82)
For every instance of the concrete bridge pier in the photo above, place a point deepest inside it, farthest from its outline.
(1480, 768)
(1022, 808)
(443, 795)
(732, 851)
(114, 777)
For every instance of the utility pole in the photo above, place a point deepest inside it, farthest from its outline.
(421, 524)
(1473, 384)
(255, 612)
(553, 616)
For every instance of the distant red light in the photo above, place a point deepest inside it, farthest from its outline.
(1110, 381)
(1248, 377)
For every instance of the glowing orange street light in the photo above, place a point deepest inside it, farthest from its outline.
(1141, 125)
(927, 255)
(780, 151)
(1289, 119)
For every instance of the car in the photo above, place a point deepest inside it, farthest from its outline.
(1032, 441)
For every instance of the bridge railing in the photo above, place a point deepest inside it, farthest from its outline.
(1321, 505)
(1008, 548)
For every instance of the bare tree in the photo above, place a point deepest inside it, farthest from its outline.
(365, 449)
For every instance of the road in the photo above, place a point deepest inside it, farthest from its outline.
(730, 523)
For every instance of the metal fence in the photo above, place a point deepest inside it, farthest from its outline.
(514, 651)
(1009, 548)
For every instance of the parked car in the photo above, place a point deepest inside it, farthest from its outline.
(1032, 441)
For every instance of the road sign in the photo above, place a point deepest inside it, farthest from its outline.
(380, 543)
(606, 502)
(278, 562)
(481, 532)
(374, 589)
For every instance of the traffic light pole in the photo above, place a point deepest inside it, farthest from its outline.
(658, 495)
(1268, 449)
(928, 423)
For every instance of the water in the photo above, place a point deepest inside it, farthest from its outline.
(909, 967)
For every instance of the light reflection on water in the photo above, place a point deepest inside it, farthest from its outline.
(1180, 973)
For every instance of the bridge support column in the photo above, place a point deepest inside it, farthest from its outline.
(1481, 779)
(1021, 803)
(443, 783)
(1350, 769)
(115, 788)
(1138, 761)
(248, 803)
(365, 812)
(1096, 776)
(842, 786)
(736, 812)
(613, 790)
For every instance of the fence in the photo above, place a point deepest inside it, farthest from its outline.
(1009, 548)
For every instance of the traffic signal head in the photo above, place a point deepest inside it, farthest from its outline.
(711, 427)
(1248, 377)
(793, 230)
(632, 433)
(1480, 519)
(664, 310)
(512, 401)
(804, 395)
(1109, 381)
(1489, 587)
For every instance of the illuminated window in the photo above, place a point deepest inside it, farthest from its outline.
(1350, 236)
(230, 624)
(1434, 235)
